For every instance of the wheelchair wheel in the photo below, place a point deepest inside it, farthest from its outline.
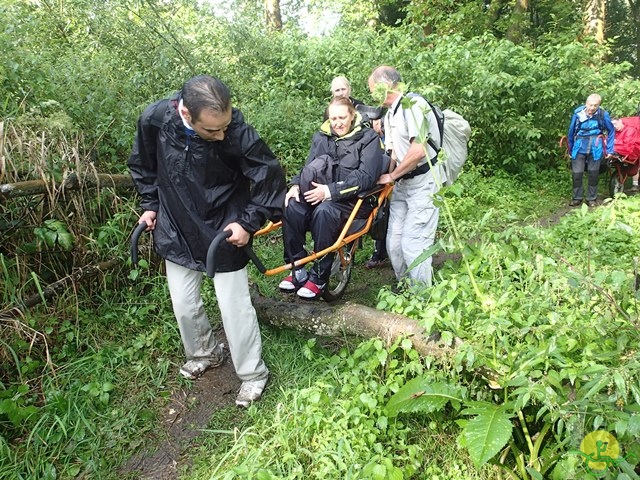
(340, 276)
(615, 186)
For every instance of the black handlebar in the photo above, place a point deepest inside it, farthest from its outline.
(141, 227)
(370, 113)
(211, 252)
(213, 246)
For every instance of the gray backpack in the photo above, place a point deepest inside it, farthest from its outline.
(455, 132)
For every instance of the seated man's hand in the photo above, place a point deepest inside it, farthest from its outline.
(294, 192)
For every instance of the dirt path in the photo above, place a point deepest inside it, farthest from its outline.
(182, 420)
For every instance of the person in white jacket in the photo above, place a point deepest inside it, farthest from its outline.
(413, 217)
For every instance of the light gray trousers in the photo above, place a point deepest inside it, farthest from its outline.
(238, 318)
(413, 220)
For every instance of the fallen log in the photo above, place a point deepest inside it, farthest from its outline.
(71, 182)
(322, 319)
(317, 318)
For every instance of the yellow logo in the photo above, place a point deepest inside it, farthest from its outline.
(600, 451)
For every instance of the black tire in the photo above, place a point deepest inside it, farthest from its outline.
(614, 185)
(339, 279)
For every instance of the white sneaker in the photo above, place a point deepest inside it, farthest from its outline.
(310, 291)
(194, 369)
(250, 391)
(293, 282)
(286, 285)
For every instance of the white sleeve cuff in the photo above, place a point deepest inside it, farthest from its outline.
(327, 193)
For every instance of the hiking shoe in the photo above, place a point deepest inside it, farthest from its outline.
(592, 203)
(374, 262)
(250, 391)
(634, 188)
(575, 203)
(310, 290)
(194, 369)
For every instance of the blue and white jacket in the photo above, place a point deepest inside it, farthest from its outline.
(586, 133)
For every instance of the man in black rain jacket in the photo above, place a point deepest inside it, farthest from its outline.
(200, 170)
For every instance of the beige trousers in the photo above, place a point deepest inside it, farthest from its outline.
(238, 318)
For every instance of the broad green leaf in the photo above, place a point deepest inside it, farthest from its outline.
(420, 395)
(535, 475)
(436, 247)
(65, 239)
(487, 434)
(634, 425)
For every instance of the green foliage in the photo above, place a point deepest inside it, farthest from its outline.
(549, 330)
(87, 400)
(517, 104)
(545, 21)
(419, 395)
(54, 233)
(339, 420)
(487, 433)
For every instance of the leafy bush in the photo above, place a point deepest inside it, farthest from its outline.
(546, 334)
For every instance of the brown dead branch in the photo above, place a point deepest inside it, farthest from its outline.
(78, 276)
(72, 182)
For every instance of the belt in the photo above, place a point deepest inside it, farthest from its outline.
(424, 168)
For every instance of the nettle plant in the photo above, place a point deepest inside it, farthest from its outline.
(549, 330)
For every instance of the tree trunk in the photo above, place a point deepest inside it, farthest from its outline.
(634, 6)
(594, 19)
(346, 319)
(273, 16)
(518, 21)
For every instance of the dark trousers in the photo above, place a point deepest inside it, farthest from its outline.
(577, 169)
(380, 250)
(325, 222)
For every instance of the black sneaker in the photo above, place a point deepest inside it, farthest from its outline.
(374, 262)
(575, 203)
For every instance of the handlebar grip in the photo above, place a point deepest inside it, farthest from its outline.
(141, 227)
(213, 246)
(254, 258)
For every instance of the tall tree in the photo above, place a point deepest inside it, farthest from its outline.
(273, 15)
(594, 14)
(518, 23)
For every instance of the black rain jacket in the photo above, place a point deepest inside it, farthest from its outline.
(199, 187)
(358, 160)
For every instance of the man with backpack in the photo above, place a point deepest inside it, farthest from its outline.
(200, 170)
(587, 146)
(413, 218)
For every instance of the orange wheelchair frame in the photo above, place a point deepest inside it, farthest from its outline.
(345, 246)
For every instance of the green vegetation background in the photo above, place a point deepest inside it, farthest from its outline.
(548, 318)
